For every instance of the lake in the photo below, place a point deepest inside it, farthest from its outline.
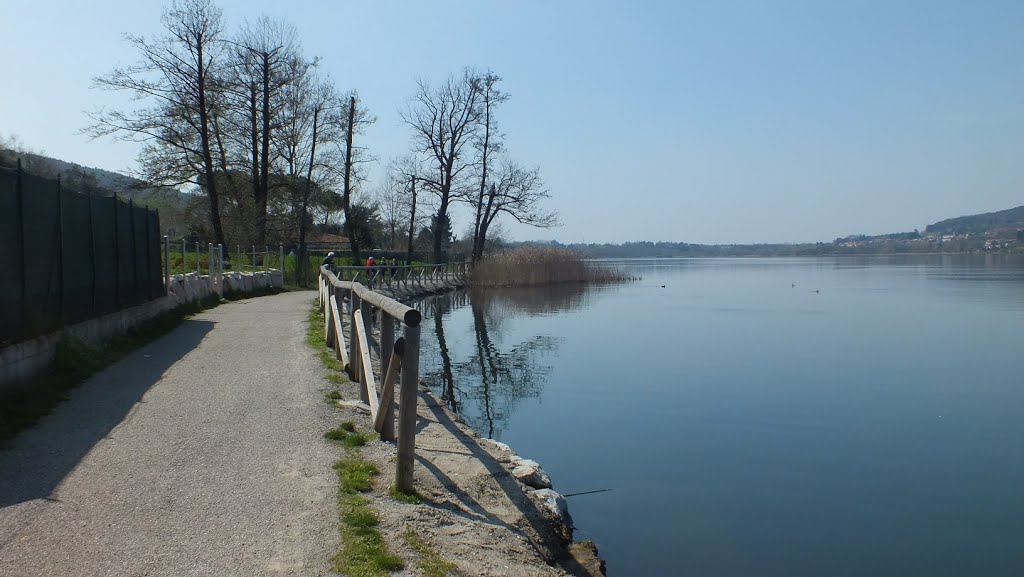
(833, 416)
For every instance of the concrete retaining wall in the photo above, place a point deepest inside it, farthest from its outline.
(21, 362)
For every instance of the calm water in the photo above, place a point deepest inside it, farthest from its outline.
(751, 427)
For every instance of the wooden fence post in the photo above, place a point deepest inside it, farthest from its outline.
(353, 353)
(407, 410)
(384, 422)
(325, 289)
(340, 351)
(387, 341)
(367, 312)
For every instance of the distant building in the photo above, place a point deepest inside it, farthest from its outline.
(328, 242)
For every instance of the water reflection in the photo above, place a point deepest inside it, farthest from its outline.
(485, 374)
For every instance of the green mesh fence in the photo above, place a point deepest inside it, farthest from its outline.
(68, 257)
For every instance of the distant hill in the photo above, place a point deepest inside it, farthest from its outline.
(1012, 218)
(76, 176)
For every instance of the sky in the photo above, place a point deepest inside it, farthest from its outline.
(704, 122)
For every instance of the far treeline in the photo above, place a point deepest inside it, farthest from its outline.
(646, 249)
(1001, 231)
(271, 148)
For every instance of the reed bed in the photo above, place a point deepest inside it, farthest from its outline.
(531, 266)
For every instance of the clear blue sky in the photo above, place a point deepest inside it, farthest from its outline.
(725, 121)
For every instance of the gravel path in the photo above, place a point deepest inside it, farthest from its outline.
(199, 454)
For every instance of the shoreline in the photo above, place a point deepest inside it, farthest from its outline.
(474, 511)
(483, 506)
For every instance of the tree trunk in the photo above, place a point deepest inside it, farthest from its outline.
(347, 194)
(478, 245)
(264, 188)
(254, 119)
(305, 202)
(440, 227)
(412, 224)
(210, 176)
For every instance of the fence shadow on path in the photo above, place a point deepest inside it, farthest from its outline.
(41, 457)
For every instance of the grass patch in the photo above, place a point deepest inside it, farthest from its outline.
(364, 552)
(413, 498)
(316, 339)
(348, 438)
(431, 564)
(337, 378)
(356, 475)
(74, 362)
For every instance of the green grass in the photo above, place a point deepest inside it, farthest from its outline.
(74, 362)
(413, 498)
(350, 439)
(431, 564)
(364, 552)
(338, 378)
(316, 339)
(355, 474)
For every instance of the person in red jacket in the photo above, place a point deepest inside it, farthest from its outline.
(369, 271)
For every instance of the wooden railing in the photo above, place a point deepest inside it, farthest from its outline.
(402, 276)
(399, 359)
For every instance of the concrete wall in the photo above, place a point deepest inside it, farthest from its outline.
(23, 361)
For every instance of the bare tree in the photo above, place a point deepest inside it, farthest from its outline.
(355, 119)
(443, 121)
(391, 198)
(266, 61)
(490, 142)
(396, 197)
(309, 122)
(177, 74)
(517, 192)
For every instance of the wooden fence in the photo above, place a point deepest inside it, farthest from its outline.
(399, 359)
(402, 276)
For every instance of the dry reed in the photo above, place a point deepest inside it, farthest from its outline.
(539, 265)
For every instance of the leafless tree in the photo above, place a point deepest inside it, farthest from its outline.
(489, 143)
(355, 119)
(397, 199)
(266, 61)
(443, 122)
(310, 121)
(392, 198)
(517, 192)
(177, 77)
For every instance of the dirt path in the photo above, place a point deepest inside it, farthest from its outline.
(199, 454)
